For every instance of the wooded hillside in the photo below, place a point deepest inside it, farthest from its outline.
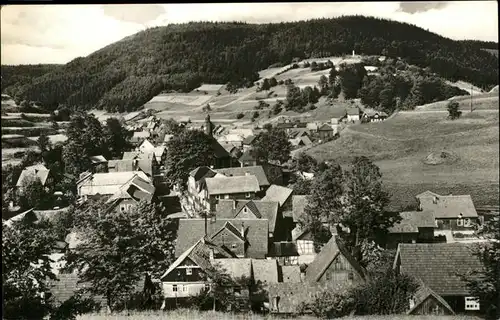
(126, 74)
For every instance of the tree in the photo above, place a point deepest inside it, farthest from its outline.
(364, 205)
(43, 142)
(120, 247)
(272, 145)
(26, 269)
(302, 186)
(351, 79)
(187, 151)
(453, 112)
(323, 85)
(484, 284)
(116, 138)
(33, 195)
(171, 126)
(294, 98)
(85, 139)
(265, 85)
(278, 107)
(273, 82)
(304, 162)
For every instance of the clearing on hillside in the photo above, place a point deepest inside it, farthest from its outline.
(399, 145)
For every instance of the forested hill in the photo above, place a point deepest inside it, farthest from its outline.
(126, 74)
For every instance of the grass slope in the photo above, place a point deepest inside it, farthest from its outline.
(400, 145)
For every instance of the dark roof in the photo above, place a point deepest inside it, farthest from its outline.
(412, 220)
(438, 265)
(424, 292)
(249, 140)
(121, 165)
(277, 194)
(257, 171)
(449, 207)
(261, 209)
(219, 150)
(325, 127)
(202, 172)
(247, 156)
(326, 256)
(191, 229)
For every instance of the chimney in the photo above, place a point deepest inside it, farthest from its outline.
(211, 254)
(247, 173)
(435, 200)
(234, 204)
(242, 230)
(353, 54)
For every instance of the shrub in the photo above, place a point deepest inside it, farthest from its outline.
(74, 306)
(240, 115)
(329, 304)
(255, 115)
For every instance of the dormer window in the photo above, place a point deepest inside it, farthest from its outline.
(189, 271)
(245, 210)
(248, 195)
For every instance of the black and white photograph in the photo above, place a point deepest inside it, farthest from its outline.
(250, 161)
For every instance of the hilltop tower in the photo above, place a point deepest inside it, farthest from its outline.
(208, 126)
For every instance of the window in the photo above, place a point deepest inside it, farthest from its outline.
(467, 222)
(189, 271)
(174, 288)
(122, 208)
(471, 303)
(234, 246)
(245, 210)
(184, 288)
(247, 195)
(460, 222)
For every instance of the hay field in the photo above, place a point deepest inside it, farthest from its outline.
(187, 314)
(400, 145)
(484, 101)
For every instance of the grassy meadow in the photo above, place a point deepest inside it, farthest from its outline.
(187, 314)
(401, 144)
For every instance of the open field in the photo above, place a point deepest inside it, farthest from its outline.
(484, 101)
(400, 145)
(186, 314)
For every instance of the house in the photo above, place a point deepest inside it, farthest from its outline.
(248, 159)
(247, 142)
(196, 194)
(235, 187)
(299, 132)
(353, 114)
(280, 194)
(338, 115)
(247, 238)
(427, 302)
(37, 171)
(144, 161)
(146, 146)
(302, 238)
(160, 153)
(123, 165)
(235, 139)
(105, 184)
(234, 151)
(456, 213)
(130, 194)
(139, 136)
(254, 209)
(257, 171)
(414, 227)
(325, 131)
(374, 116)
(245, 133)
(303, 141)
(99, 164)
(167, 138)
(312, 126)
(439, 266)
(333, 268)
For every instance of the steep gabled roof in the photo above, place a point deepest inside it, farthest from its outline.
(229, 209)
(423, 292)
(97, 159)
(256, 234)
(219, 150)
(230, 185)
(231, 228)
(249, 140)
(121, 165)
(325, 127)
(202, 172)
(32, 172)
(353, 111)
(290, 273)
(326, 256)
(257, 171)
(412, 220)
(427, 193)
(438, 265)
(278, 194)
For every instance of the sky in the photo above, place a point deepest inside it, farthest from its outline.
(32, 34)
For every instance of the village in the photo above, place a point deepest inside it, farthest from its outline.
(341, 167)
(239, 213)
